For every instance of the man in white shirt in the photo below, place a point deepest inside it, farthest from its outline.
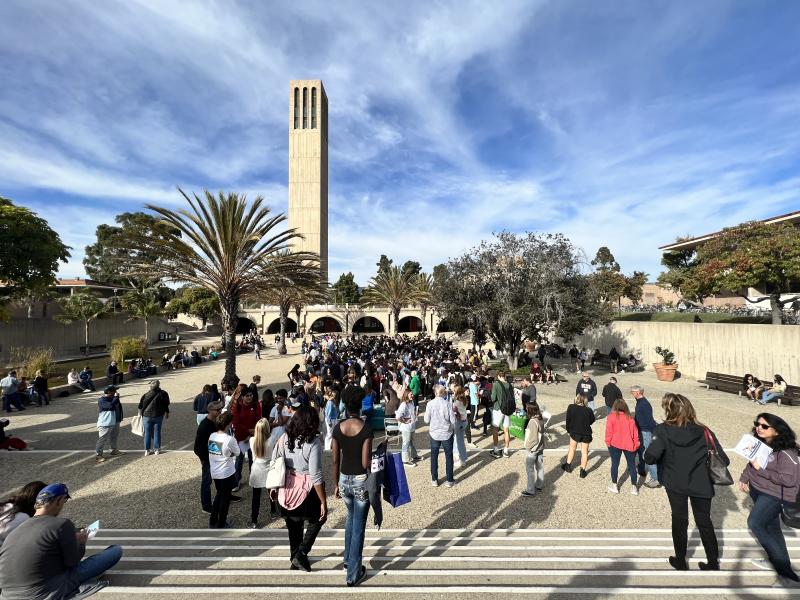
(441, 421)
(8, 386)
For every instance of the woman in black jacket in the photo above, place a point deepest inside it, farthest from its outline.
(579, 427)
(680, 450)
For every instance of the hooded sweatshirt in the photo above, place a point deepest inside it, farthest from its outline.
(779, 479)
(681, 454)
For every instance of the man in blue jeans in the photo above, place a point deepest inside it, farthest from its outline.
(646, 425)
(441, 420)
(41, 558)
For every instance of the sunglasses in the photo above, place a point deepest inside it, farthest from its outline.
(758, 425)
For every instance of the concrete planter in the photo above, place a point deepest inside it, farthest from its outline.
(665, 372)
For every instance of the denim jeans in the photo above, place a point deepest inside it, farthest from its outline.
(408, 451)
(205, 485)
(647, 438)
(768, 397)
(765, 523)
(461, 427)
(97, 564)
(9, 399)
(447, 446)
(353, 489)
(534, 468)
(106, 433)
(152, 428)
(616, 456)
(240, 465)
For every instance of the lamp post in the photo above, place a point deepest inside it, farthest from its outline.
(114, 307)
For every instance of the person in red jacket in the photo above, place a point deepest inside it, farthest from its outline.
(246, 413)
(622, 437)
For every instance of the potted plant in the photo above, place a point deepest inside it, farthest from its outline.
(665, 370)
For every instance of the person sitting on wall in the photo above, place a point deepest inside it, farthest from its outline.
(85, 379)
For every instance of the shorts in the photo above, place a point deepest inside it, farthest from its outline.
(500, 420)
(581, 439)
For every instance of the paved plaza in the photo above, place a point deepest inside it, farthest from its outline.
(150, 504)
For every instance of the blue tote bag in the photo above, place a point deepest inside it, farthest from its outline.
(395, 484)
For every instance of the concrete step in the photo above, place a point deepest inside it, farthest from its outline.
(244, 563)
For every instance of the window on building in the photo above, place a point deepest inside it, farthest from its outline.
(305, 108)
(313, 108)
(297, 108)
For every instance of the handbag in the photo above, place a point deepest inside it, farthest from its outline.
(395, 486)
(276, 474)
(717, 469)
(790, 511)
(137, 426)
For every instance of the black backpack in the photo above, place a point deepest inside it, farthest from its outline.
(507, 402)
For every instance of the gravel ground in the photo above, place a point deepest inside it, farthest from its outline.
(133, 491)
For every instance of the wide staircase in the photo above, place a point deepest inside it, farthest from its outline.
(579, 563)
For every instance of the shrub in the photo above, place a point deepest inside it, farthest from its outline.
(128, 347)
(30, 360)
(666, 355)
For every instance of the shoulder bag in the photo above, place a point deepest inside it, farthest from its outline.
(790, 511)
(137, 427)
(276, 474)
(717, 469)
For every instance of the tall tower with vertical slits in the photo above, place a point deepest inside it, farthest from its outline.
(308, 167)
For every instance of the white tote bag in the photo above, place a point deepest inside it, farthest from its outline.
(137, 428)
(276, 474)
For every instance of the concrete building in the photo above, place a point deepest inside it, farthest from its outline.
(308, 167)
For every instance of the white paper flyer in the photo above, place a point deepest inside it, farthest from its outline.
(753, 449)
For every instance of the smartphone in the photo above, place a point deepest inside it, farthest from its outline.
(93, 529)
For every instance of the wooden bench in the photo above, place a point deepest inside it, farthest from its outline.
(792, 396)
(723, 382)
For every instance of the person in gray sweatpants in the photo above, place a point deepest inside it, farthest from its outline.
(109, 418)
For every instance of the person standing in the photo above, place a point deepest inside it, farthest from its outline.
(154, 408)
(204, 430)
(769, 487)
(501, 391)
(534, 449)
(613, 359)
(573, 354)
(643, 413)
(611, 393)
(201, 402)
(352, 452)
(8, 386)
(41, 558)
(461, 423)
(474, 400)
(441, 421)
(41, 388)
(587, 387)
(680, 447)
(622, 437)
(222, 453)
(528, 391)
(331, 412)
(304, 506)
(406, 416)
(261, 451)
(415, 385)
(246, 413)
(109, 417)
(579, 427)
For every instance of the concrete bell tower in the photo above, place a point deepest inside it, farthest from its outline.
(308, 167)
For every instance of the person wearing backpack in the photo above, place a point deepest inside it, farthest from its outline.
(503, 406)
(579, 427)
(769, 487)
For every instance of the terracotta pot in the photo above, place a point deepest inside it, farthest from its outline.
(665, 372)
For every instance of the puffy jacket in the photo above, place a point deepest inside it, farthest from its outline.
(681, 454)
(621, 432)
(154, 403)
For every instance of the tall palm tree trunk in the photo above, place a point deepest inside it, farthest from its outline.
(396, 312)
(86, 337)
(424, 309)
(284, 315)
(229, 307)
(146, 331)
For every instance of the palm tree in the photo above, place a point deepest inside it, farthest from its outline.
(142, 304)
(423, 286)
(229, 246)
(82, 305)
(391, 288)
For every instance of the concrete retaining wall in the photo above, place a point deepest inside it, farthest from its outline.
(66, 340)
(700, 347)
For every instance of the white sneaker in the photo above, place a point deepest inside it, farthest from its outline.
(634, 491)
(410, 464)
(147, 452)
(458, 464)
(434, 483)
(449, 483)
(158, 451)
(613, 488)
(507, 453)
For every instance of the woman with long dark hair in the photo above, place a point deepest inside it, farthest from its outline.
(18, 508)
(769, 487)
(302, 499)
(680, 448)
(776, 392)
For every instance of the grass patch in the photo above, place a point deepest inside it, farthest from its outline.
(678, 317)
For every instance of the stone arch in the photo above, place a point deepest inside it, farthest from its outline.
(444, 326)
(368, 325)
(275, 326)
(409, 324)
(326, 324)
(245, 325)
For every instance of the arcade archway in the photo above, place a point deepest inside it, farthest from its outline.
(275, 326)
(326, 325)
(245, 325)
(368, 325)
(409, 324)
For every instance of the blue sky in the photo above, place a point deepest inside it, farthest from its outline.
(623, 124)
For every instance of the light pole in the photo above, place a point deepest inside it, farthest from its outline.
(114, 307)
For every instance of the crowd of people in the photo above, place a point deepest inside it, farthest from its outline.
(347, 385)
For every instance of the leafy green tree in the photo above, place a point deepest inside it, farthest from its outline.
(143, 304)
(82, 306)
(519, 287)
(30, 253)
(681, 273)
(228, 246)
(393, 289)
(345, 290)
(411, 267)
(753, 255)
(384, 264)
(197, 302)
(611, 284)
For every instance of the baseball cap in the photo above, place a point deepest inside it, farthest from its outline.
(110, 388)
(49, 492)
